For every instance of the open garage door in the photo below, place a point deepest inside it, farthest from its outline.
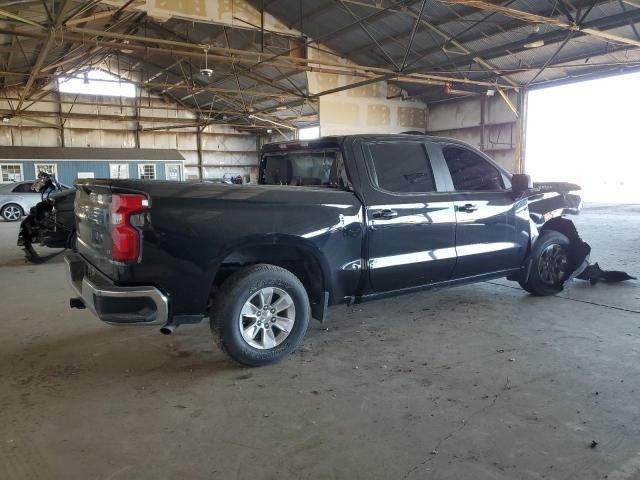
(588, 133)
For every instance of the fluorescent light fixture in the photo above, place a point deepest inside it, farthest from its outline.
(534, 44)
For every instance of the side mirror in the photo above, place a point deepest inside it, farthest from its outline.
(520, 184)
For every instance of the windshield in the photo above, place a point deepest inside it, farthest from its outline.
(303, 168)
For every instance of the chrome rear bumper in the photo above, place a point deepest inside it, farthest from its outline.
(140, 305)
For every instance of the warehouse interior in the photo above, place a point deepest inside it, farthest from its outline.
(482, 381)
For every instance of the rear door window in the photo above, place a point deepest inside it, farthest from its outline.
(304, 168)
(401, 167)
(470, 172)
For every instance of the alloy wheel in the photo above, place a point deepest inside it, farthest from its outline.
(11, 213)
(552, 267)
(267, 318)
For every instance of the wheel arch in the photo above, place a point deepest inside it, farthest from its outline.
(579, 249)
(299, 256)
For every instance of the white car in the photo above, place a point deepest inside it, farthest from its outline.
(16, 200)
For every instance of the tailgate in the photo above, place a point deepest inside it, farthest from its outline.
(92, 209)
(93, 212)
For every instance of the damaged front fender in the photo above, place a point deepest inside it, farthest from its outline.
(579, 250)
(547, 204)
(553, 199)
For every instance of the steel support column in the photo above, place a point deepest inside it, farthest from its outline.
(521, 130)
(199, 149)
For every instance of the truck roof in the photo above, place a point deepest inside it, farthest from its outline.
(334, 141)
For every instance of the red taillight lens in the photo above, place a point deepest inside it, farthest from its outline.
(125, 238)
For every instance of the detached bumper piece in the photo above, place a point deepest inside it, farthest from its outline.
(142, 305)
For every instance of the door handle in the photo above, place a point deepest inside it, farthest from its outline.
(468, 208)
(386, 213)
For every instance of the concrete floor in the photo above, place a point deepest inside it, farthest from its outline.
(478, 382)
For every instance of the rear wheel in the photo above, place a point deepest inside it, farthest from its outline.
(260, 314)
(12, 212)
(549, 264)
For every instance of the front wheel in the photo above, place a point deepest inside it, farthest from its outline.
(12, 212)
(72, 238)
(260, 314)
(550, 266)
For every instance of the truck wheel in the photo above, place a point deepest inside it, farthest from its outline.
(260, 314)
(12, 212)
(549, 264)
(72, 238)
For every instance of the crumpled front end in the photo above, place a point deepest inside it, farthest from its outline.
(554, 199)
(48, 226)
(549, 202)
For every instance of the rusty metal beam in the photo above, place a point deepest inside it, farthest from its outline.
(551, 59)
(551, 37)
(18, 18)
(360, 22)
(301, 64)
(100, 15)
(44, 51)
(414, 30)
(9, 61)
(339, 31)
(126, 105)
(535, 18)
(269, 62)
(476, 58)
(175, 123)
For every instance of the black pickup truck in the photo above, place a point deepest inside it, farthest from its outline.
(334, 220)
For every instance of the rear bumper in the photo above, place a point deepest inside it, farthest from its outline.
(139, 305)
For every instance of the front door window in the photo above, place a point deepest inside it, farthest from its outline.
(470, 172)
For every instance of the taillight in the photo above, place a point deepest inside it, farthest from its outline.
(125, 237)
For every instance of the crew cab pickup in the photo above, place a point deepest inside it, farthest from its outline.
(334, 220)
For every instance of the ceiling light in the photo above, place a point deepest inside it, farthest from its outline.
(534, 44)
(126, 42)
(206, 71)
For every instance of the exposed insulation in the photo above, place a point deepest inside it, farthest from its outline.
(183, 7)
(340, 113)
(378, 115)
(412, 117)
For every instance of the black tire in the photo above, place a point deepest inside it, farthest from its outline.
(232, 297)
(71, 241)
(540, 281)
(12, 212)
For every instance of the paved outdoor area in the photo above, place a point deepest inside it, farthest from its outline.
(477, 382)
